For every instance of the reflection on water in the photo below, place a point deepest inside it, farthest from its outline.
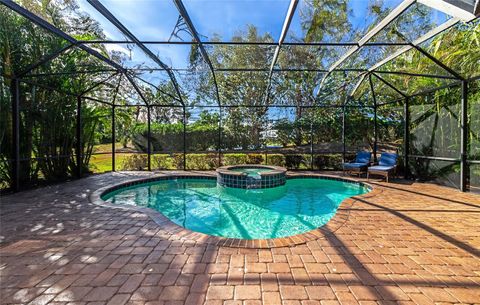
(200, 205)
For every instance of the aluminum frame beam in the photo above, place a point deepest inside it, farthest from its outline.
(137, 89)
(406, 138)
(455, 8)
(286, 25)
(183, 12)
(375, 123)
(110, 17)
(430, 34)
(133, 70)
(414, 74)
(15, 104)
(402, 7)
(438, 62)
(256, 43)
(464, 124)
(385, 22)
(389, 85)
(364, 40)
(96, 100)
(98, 84)
(49, 27)
(78, 138)
(156, 87)
(113, 122)
(32, 83)
(357, 85)
(32, 75)
(446, 25)
(44, 60)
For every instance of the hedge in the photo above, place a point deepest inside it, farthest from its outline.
(209, 161)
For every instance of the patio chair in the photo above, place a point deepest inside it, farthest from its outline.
(360, 165)
(386, 166)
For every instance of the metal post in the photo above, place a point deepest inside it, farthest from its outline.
(149, 144)
(114, 140)
(220, 137)
(184, 139)
(16, 134)
(265, 139)
(344, 152)
(406, 137)
(464, 138)
(311, 142)
(79, 137)
(375, 136)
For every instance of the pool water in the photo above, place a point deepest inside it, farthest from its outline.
(201, 205)
(252, 172)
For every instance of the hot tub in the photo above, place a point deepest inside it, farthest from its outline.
(247, 176)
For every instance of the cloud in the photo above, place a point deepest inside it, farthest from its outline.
(117, 48)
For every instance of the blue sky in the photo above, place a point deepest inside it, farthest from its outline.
(153, 20)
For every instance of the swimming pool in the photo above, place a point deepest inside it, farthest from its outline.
(204, 206)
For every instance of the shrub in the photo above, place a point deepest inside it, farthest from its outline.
(163, 161)
(202, 161)
(335, 162)
(328, 162)
(276, 159)
(178, 161)
(209, 161)
(293, 161)
(234, 159)
(254, 159)
(135, 162)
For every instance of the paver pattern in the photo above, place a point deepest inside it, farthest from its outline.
(407, 243)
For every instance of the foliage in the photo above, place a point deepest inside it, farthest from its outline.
(276, 159)
(135, 162)
(294, 161)
(255, 158)
(327, 162)
(202, 161)
(234, 159)
(162, 161)
(47, 116)
(210, 161)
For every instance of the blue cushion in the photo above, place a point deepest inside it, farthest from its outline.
(381, 168)
(363, 157)
(354, 165)
(388, 159)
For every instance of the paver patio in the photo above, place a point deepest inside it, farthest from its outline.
(406, 243)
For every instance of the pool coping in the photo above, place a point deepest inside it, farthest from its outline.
(337, 221)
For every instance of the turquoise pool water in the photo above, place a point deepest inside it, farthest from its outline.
(253, 172)
(201, 205)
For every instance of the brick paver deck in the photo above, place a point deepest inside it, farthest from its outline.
(404, 244)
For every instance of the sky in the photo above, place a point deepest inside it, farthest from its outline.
(154, 20)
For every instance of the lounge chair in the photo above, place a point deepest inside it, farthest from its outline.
(360, 165)
(386, 166)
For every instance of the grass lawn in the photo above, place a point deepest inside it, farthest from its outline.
(103, 163)
(100, 148)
